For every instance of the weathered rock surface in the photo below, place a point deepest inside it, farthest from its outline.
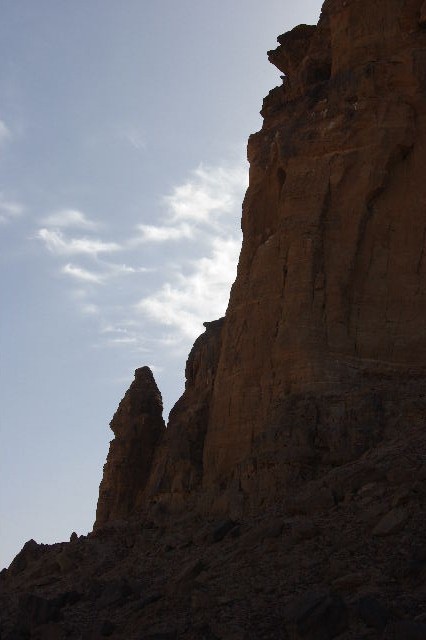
(178, 466)
(324, 341)
(321, 354)
(281, 575)
(286, 498)
(138, 426)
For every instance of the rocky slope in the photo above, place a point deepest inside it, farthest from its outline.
(286, 497)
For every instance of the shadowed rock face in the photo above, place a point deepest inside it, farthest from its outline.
(178, 467)
(137, 425)
(150, 464)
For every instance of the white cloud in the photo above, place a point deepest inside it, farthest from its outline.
(59, 244)
(210, 192)
(5, 133)
(82, 274)
(112, 269)
(69, 218)
(201, 203)
(107, 271)
(152, 233)
(8, 208)
(207, 206)
(201, 218)
(201, 295)
(122, 340)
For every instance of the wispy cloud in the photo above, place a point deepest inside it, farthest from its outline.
(90, 309)
(112, 270)
(83, 275)
(110, 328)
(198, 296)
(5, 133)
(119, 335)
(122, 340)
(207, 206)
(201, 217)
(56, 242)
(198, 205)
(65, 218)
(151, 233)
(134, 136)
(9, 209)
(209, 193)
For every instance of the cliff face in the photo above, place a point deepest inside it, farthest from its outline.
(322, 351)
(324, 341)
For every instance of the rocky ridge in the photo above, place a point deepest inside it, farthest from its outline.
(286, 497)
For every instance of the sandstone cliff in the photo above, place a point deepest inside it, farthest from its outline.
(324, 342)
(322, 351)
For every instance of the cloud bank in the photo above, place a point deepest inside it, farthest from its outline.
(206, 210)
(193, 254)
(187, 301)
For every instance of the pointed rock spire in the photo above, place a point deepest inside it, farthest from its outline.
(138, 426)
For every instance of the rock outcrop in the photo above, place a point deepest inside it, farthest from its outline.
(137, 426)
(178, 467)
(324, 342)
(322, 351)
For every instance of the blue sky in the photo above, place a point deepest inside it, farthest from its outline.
(123, 128)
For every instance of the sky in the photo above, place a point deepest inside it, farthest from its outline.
(123, 131)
